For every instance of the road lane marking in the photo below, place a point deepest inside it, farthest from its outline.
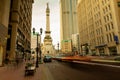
(48, 73)
(90, 63)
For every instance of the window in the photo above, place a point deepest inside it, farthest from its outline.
(113, 35)
(103, 2)
(107, 38)
(109, 7)
(112, 25)
(104, 11)
(110, 37)
(106, 27)
(100, 22)
(97, 32)
(109, 26)
(102, 40)
(118, 4)
(101, 30)
(105, 18)
(110, 16)
(106, 8)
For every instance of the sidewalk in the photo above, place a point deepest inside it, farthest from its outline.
(106, 60)
(17, 73)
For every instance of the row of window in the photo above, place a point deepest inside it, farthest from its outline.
(92, 34)
(99, 31)
(92, 42)
(25, 18)
(108, 17)
(20, 35)
(110, 37)
(100, 40)
(106, 9)
(96, 8)
(109, 26)
(97, 15)
(98, 23)
(90, 21)
(105, 1)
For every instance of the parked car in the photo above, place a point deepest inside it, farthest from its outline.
(47, 58)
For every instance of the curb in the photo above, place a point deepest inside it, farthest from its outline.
(103, 60)
(107, 62)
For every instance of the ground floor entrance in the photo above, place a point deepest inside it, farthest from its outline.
(113, 50)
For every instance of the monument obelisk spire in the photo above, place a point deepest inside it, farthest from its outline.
(48, 48)
(47, 18)
(47, 38)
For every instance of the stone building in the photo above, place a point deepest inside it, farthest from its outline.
(19, 28)
(99, 26)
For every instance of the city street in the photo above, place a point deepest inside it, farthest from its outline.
(60, 71)
(59, 40)
(69, 71)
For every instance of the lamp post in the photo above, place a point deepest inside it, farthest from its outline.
(37, 49)
(58, 47)
(40, 45)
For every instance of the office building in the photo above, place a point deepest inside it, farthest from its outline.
(19, 28)
(75, 43)
(68, 19)
(68, 16)
(99, 26)
(34, 42)
(66, 46)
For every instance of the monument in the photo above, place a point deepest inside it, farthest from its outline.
(48, 48)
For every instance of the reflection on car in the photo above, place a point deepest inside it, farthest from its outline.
(47, 59)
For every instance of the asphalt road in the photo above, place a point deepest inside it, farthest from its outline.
(70, 71)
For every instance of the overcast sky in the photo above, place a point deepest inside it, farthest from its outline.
(39, 18)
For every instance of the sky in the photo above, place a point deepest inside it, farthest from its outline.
(39, 18)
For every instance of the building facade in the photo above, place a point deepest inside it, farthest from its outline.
(75, 43)
(68, 19)
(34, 42)
(19, 28)
(99, 27)
(66, 46)
(68, 16)
(4, 19)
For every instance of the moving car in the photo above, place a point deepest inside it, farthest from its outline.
(47, 58)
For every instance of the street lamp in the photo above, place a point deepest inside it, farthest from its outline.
(40, 45)
(37, 49)
(58, 47)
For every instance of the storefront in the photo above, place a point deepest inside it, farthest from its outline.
(101, 49)
(113, 50)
